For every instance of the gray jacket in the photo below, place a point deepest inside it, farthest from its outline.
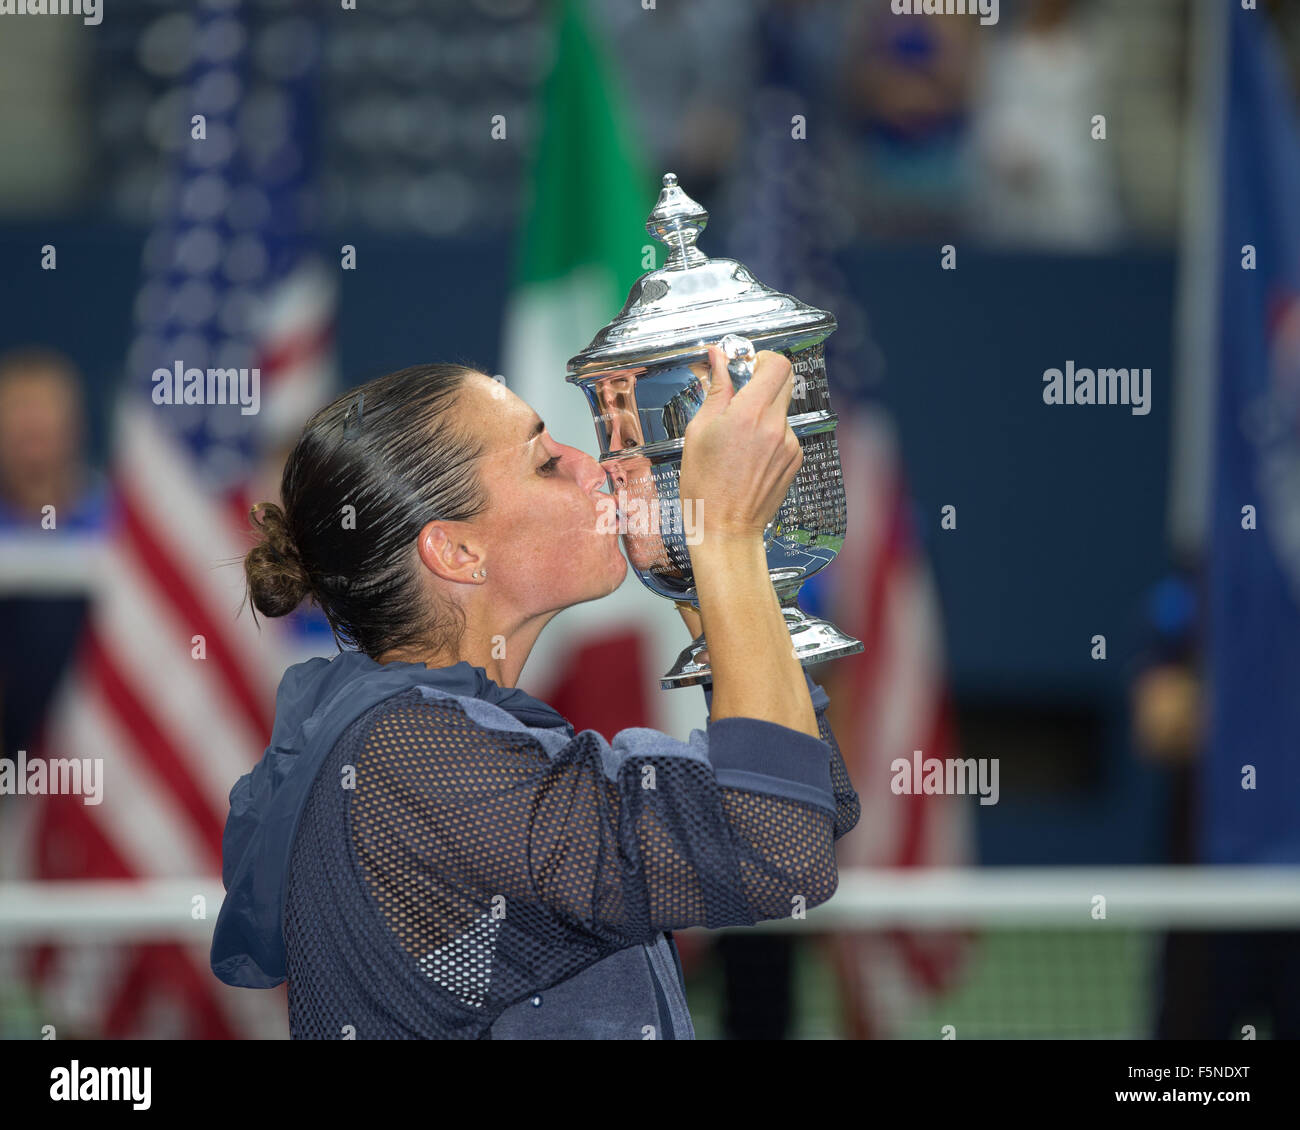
(424, 854)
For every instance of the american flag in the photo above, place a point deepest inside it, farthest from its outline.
(892, 698)
(171, 687)
(887, 701)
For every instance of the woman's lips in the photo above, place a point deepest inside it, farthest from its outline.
(605, 505)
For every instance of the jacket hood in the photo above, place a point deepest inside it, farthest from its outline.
(316, 701)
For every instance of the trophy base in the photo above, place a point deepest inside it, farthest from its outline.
(814, 640)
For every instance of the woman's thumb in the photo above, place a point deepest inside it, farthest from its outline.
(719, 388)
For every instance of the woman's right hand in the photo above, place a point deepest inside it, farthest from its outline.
(740, 454)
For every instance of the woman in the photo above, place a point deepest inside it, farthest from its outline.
(425, 851)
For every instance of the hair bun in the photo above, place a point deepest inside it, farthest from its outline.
(277, 580)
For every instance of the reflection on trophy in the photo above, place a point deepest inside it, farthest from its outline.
(645, 377)
(631, 479)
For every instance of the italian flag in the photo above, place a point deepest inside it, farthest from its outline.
(582, 245)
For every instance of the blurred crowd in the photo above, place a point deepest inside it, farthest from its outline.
(934, 125)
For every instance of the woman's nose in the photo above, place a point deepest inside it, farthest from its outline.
(590, 473)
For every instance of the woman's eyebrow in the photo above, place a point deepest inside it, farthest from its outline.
(526, 447)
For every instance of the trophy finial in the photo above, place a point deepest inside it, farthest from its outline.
(676, 222)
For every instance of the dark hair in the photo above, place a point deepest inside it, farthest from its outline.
(369, 471)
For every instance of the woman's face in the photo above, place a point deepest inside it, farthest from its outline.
(543, 547)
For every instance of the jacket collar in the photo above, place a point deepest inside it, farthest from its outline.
(465, 679)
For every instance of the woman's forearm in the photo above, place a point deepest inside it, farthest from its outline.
(755, 673)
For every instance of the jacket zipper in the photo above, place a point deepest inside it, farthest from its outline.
(666, 981)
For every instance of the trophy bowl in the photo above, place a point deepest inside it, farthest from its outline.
(645, 376)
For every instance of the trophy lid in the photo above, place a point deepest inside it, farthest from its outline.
(692, 299)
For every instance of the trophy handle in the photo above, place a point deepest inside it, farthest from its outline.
(740, 359)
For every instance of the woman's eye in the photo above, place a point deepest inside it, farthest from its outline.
(549, 466)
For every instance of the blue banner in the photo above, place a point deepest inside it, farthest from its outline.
(1251, 781)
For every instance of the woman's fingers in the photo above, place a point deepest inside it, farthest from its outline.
(772, 384)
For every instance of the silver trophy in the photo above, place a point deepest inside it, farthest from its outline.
(645, 375)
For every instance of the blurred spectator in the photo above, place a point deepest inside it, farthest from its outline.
(1168, 700)
(689, 70)
(45, 116)
(47, 570)
(1038, 177)
(1209, 982)
(904, 86)
(42, 433)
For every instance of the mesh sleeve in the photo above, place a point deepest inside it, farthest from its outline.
(847, 806)
(453, 821)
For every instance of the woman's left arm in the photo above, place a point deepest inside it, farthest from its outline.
(847, 806)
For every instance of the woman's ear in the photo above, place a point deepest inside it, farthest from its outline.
(443, 553)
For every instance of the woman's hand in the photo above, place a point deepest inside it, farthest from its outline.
(739, 458)
(740, 454)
